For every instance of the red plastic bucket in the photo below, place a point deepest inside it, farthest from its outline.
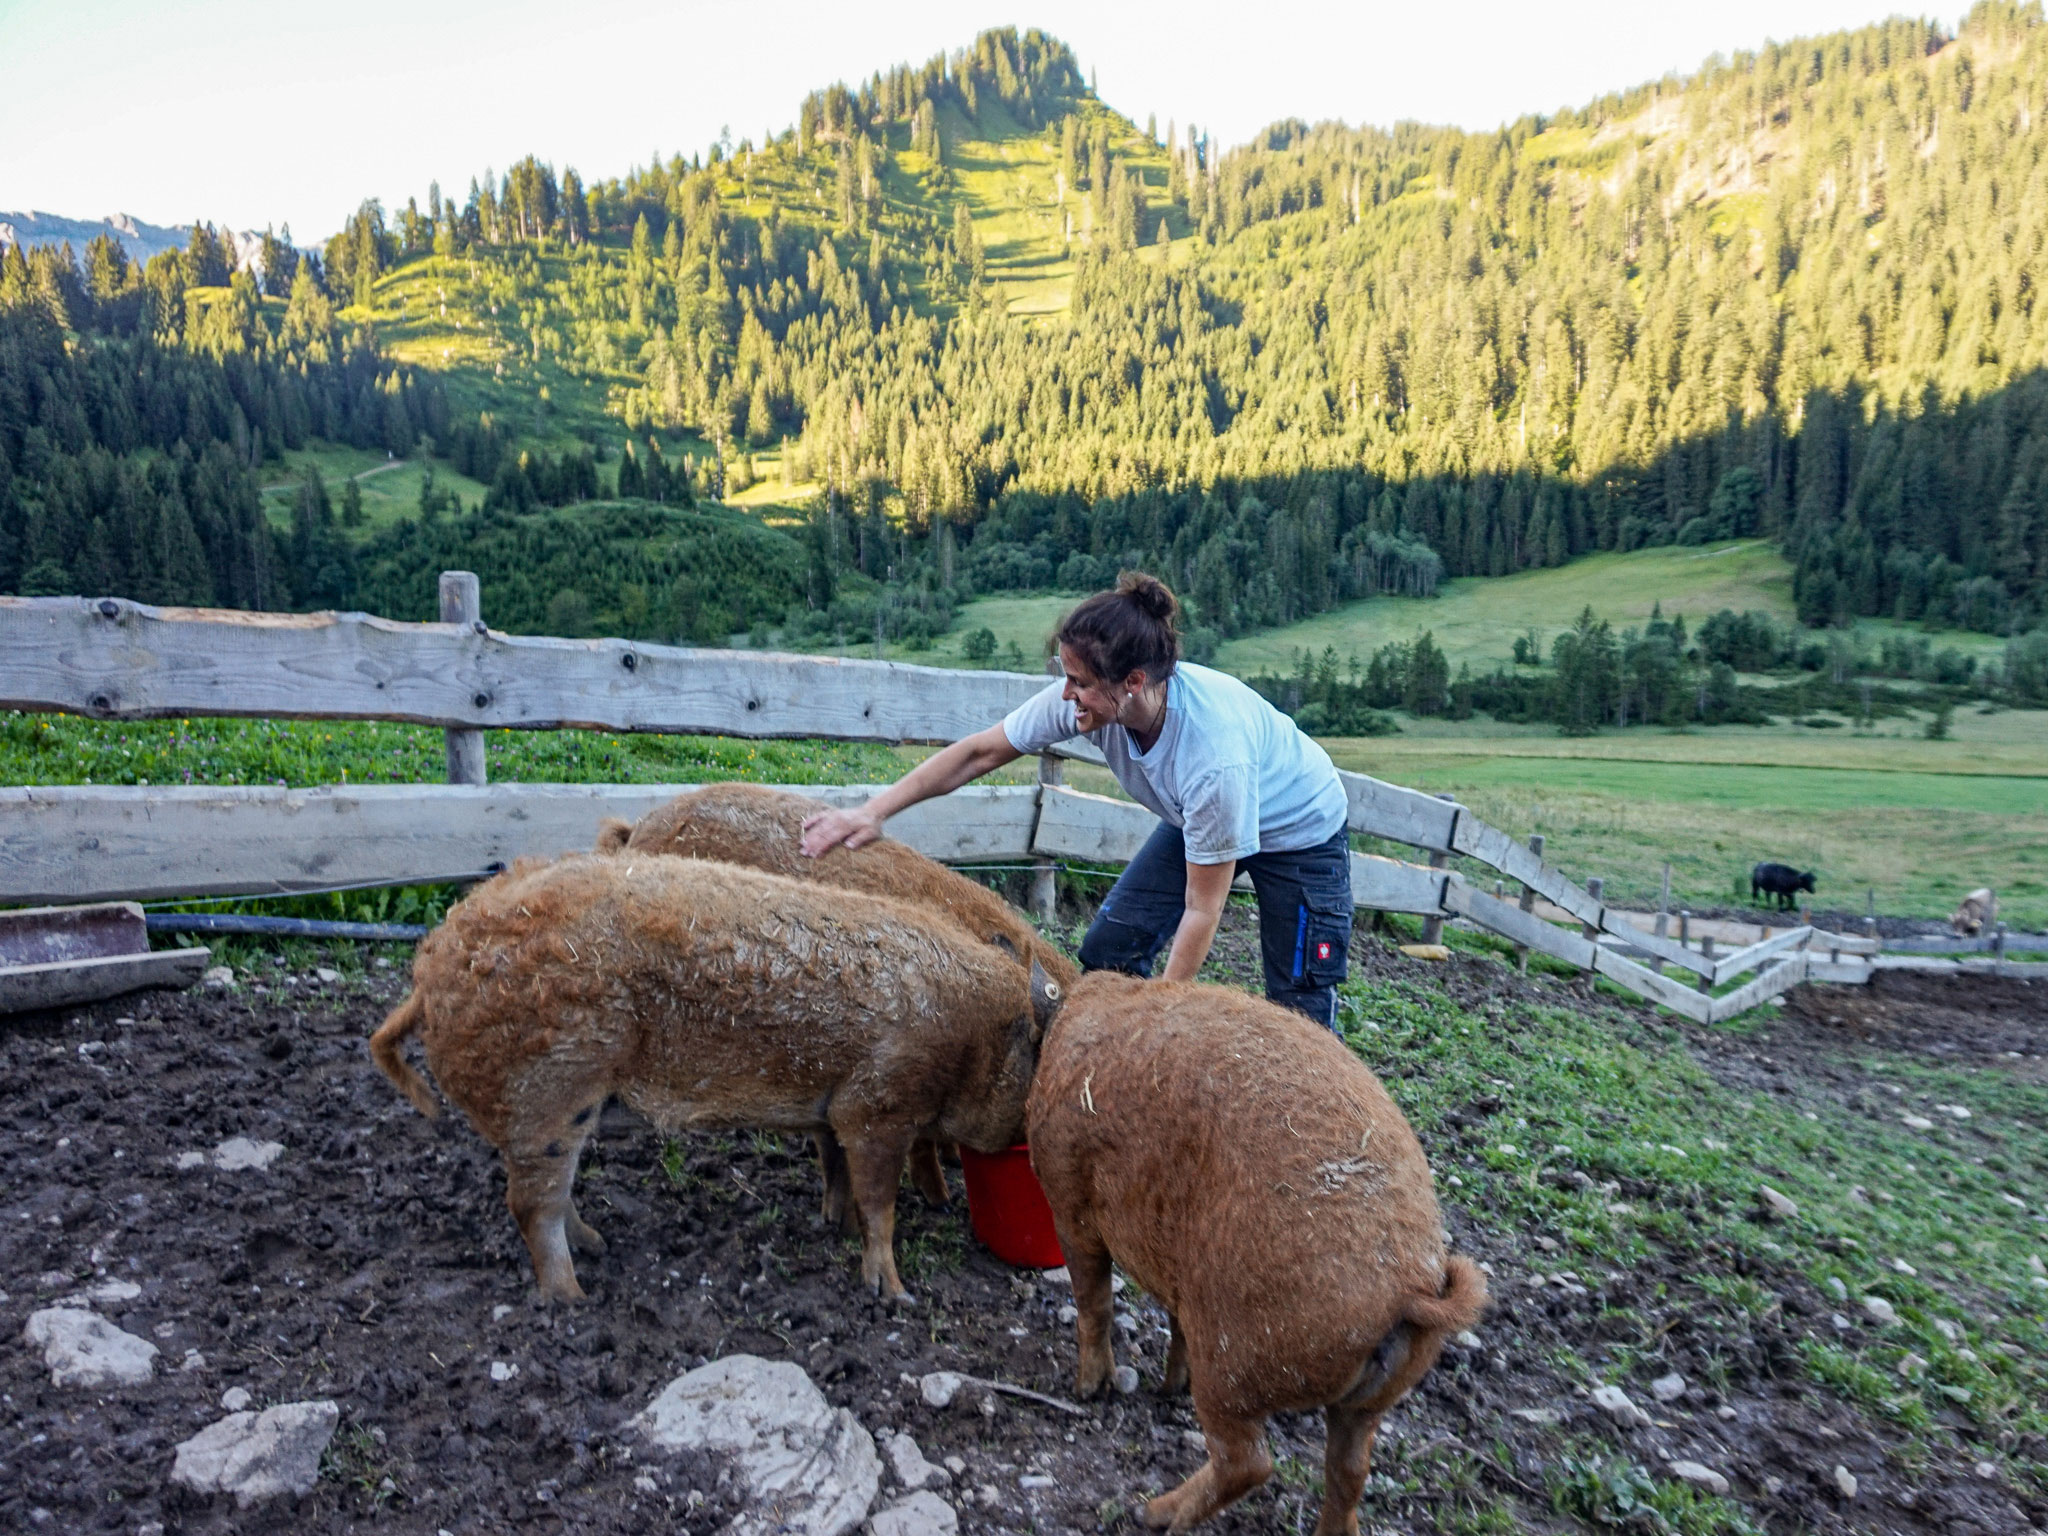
(1008, 1209)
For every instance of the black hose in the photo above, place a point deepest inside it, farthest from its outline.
(293, 927)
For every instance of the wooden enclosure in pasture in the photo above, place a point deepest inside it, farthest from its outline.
(111, 659)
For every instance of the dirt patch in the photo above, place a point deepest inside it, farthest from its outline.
(374, 1263)
(1980, 1020)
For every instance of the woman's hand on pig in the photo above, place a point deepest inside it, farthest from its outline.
(825, 831)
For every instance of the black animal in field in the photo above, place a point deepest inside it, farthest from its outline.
(1779, 880)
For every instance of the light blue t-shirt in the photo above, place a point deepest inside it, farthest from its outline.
(1232, 772)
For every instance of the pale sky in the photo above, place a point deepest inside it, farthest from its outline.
(251, 113)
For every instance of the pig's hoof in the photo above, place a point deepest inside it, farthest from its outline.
(1158, 1513)
(584, 1239)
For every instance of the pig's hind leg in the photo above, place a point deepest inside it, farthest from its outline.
(1176, 1380)
(538, 1176)
(1238, 1462)
(1088, 1270)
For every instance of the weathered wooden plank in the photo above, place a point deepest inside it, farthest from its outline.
(1853, 973)
(85, 843)
(1658, 989)
(1786, 973)
(1736, 961)
(1478, 840)
(1511, 922)
(119, 660)
(1073, 824)
(1389, 885)
(63, 983)
(1399, 815)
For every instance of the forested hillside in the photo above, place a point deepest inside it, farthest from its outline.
(994, 335)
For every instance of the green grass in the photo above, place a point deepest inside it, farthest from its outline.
(1921, 823)
(390, 487)
(1476, 619)
(1551, 1090)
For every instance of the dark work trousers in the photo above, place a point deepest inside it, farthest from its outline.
(1304, 917)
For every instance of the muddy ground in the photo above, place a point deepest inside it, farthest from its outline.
(374, 1263)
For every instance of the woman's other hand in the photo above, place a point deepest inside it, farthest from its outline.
(827, 830)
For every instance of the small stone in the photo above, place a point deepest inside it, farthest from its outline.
(1467, 1340)
(1725, 1412)
(922, 1514)
(1913, 1123)
(83, 1349)
(1700, 1476)
(1056, 1276)
(239, 1152)
(1547, 1244)
(185, 1162)
(1668, 1389)
(645, 1483)
(502, 1371)
(2013, 1200)
(193, 1361)
(957, 1465)
(258, 1456)
(1837, 1289)
(1911, 1364)
(1987, 1470)
(1507, 1149)
(113, 1290)
(1954, 1111)
(1068, 1313)
(235, 1399)
(1947, 1330)
(939, 1388)
(1616, 1404)
(2035, 1265)
(1777, 1203)
(327, 976)
(1900, 1266)
(1879, 1310)
(986, 1496)
(1033, 1481)
(1195, 1438)
(1845, 1480)
(500, 1312)
(907, 1464)
(1535, 1415)
(1124, 1379)
(1841, 1323)
(218, 978)
(1774, 1486)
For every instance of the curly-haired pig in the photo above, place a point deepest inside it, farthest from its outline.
(762, 828)
(1247, 1170)
(706, 996)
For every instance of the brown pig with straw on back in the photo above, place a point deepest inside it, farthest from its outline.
(707, 996)
(762, 828)
(1246, 1169)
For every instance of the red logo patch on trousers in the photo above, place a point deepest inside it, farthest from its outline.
(1323, 950)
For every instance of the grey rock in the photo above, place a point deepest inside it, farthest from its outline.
(1700, 1476)
(1837, 1289)
(1068, 1313)
(326, 976)
(258, 1456)
(809, 1469)
(907, 1464)
(1536, 1415)
(1035, 1482)
(1777, 1203)
(922, 1514)
(1125, 1379)
(956, 1465)
(235, 1399)
(239, 1152)
(939, 1388)
(1616, 1404)
(1467, 1339)
(83, 1349)
(1668, 1389)
(1845, 1480)
(1879, 1310)
(218, 978)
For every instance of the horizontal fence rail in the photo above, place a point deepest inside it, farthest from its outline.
(113, 659)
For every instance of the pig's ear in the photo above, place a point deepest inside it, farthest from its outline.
(612, 834)
(1045, 997)
(1002, 942)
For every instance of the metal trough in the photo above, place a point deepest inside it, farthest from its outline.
(54, 957)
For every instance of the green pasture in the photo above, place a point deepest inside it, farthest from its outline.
(1713, 803)
(1475, 619)
(390, 487)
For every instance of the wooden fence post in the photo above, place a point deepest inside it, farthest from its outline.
(1706, 983)
(1528, 904)
(462, 603)
(1433, 927)
(1998, 950)
(1045, 887)
(1594, 888)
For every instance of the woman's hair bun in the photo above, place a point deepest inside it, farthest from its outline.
(1151, 595)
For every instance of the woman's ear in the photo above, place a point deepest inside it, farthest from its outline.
(1136, 681)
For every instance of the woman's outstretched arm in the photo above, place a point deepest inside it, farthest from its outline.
(940, 774)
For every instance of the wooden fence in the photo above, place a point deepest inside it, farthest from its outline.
(111, 659)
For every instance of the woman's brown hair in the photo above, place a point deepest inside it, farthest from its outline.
(1128, 630)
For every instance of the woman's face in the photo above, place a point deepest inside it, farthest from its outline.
(1095, 702)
